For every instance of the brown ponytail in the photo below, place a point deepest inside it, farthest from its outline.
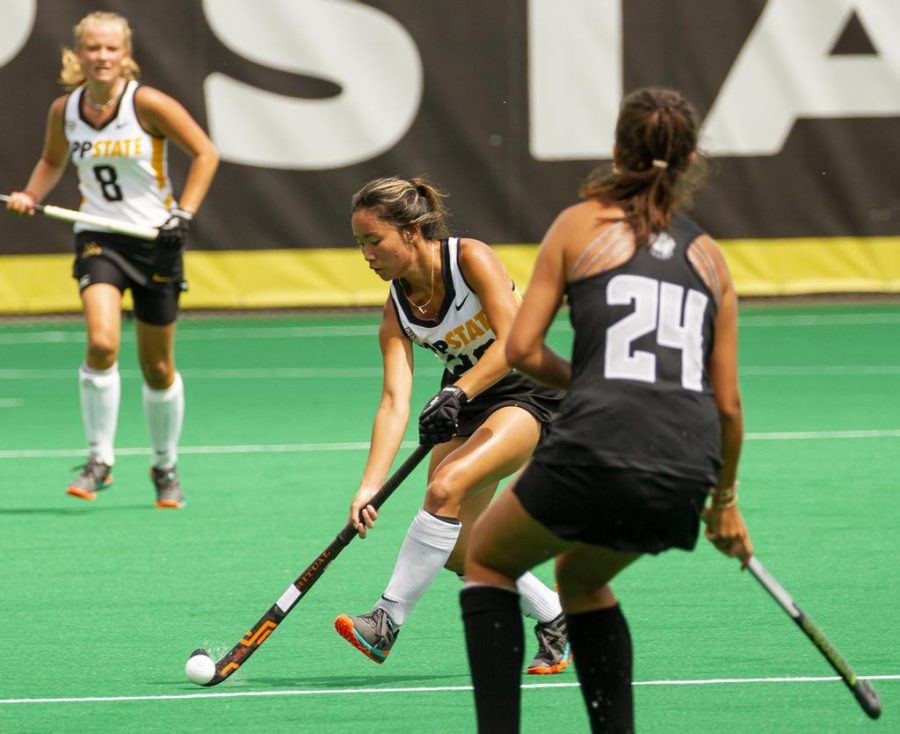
(656, 143)
(405, 203)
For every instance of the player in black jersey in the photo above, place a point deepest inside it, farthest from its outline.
(454, 297)
(651, 426)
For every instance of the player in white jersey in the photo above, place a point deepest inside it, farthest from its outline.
(454, 297)
(116, 131)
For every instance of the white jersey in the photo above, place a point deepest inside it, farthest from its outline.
(122, 169)
(462, 332)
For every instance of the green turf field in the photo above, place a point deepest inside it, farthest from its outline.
(102, 602)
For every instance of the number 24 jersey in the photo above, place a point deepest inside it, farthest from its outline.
(640, 395)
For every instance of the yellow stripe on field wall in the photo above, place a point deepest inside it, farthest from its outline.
(339, 277)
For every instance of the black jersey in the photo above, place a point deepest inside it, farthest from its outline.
(640, 395)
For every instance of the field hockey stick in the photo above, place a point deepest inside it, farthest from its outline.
(258, 634)
(861, 689)
(71, 215)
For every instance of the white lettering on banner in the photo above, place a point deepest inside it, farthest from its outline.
(784, 72)
(574, 77)
(365, 51)
(16, 21)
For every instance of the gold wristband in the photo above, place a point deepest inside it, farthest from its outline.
(724, 498)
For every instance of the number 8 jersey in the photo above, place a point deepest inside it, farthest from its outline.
(122, 169)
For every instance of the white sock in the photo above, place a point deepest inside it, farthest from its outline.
(164, 411)
(536, 599)
(424, 552)
(100, 391)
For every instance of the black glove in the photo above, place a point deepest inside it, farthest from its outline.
(438, 419)
(173, 233)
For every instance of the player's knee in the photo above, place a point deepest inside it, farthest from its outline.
(443, 495)
(102, 350)
(158, 374)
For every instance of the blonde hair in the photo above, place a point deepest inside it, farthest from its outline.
(405, 203)
(71, 74)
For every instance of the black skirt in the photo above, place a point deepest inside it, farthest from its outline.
(623, 509)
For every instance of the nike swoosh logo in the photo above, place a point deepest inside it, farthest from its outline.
(157, 278)
(460, 305)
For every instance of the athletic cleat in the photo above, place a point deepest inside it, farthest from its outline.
(94, 476)
(373, 634)
(554, 651)
(168, 488)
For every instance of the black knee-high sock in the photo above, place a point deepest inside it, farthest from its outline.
(495, 642)
(601, 648)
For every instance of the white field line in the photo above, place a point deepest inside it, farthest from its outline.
(192, 333)
(288, 448)
(421, 689)
(224, 373)
(292, 448)
(341, 373)
(210, 334)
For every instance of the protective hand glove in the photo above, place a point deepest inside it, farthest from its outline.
(174, 232)
(438, 419)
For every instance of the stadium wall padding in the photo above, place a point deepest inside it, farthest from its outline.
(335, 278)
(505, 105)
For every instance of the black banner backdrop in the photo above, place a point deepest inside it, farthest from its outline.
(505, 104)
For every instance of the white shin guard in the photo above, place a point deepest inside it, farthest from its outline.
(100, 392)
(424, 552)
(164, 411)
(536, 599)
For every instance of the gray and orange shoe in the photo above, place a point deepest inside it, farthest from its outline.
(554, 651)
(94, 476)
(373, 634)
(168, 488)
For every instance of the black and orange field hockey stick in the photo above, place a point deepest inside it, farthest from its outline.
(260, 632)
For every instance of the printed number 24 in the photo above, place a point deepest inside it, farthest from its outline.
(659, 307)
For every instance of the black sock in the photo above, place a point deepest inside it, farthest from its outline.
(495, 642)
(601, 648)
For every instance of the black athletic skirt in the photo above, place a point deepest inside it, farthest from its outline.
(623, 509)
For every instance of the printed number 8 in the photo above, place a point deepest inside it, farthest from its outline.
(106, 176)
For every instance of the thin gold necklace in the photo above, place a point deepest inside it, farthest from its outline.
(105, 106)
(431, 293)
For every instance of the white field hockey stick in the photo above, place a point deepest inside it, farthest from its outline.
(861, 689)
(266, 625)
(113, 225)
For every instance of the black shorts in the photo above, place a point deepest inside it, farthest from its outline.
(623, 509)
(155, 276)
(474, 413)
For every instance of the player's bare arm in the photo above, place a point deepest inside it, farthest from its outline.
(525, 348)
(489, 279)
(391, 418)
(164, 116)
(49, 168)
